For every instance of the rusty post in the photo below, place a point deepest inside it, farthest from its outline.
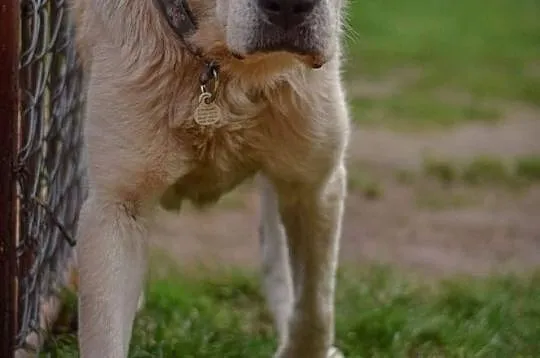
(9, 114)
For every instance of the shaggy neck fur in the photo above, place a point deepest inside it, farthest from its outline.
(146, 48)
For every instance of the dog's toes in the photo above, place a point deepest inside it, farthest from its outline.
(335, 353)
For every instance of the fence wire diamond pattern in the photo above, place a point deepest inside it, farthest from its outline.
(50, 169)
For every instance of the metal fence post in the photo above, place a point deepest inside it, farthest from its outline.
(9, 117)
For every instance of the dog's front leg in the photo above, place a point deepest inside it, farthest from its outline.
(312, 216)
(111, 251)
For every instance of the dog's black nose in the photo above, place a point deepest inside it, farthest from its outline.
(287, 13)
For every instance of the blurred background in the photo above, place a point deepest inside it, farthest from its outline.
(444, 161)
(441, 238)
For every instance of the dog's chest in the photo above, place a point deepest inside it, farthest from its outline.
(253, 135)
(218, 158)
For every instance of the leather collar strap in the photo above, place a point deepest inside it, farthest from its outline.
(178, 16)
(181, 20)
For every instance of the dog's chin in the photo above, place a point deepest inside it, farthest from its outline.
(310, 57)
(268, 43)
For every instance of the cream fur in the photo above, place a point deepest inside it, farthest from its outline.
(284, 122)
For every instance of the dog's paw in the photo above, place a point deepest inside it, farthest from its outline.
(335, 353)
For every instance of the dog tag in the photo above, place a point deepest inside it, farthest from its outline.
(207, 112)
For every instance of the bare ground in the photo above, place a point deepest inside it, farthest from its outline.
(484, 230)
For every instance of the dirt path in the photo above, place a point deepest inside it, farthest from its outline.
(497, 231)
(507, 139)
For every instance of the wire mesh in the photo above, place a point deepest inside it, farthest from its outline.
(50, 170)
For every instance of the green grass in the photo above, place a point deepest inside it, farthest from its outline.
(359, 180)
(528, 167)
(440, 169)
(484, 170)
(444, 200)
(418, 109)
(487, 170)
(379, 314)
(482, 50)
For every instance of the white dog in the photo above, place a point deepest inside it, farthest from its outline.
(193, 97)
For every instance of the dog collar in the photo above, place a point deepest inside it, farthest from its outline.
(181, 20)
(179, 16)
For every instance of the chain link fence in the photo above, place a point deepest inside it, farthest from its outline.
(41, 105)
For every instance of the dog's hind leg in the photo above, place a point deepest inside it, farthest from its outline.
(275, 264)
(111, 251)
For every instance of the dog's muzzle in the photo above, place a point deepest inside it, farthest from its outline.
(286, 14)
(296, 26)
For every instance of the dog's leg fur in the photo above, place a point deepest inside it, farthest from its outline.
(275, 262)
(112, 258)
(312, 219)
